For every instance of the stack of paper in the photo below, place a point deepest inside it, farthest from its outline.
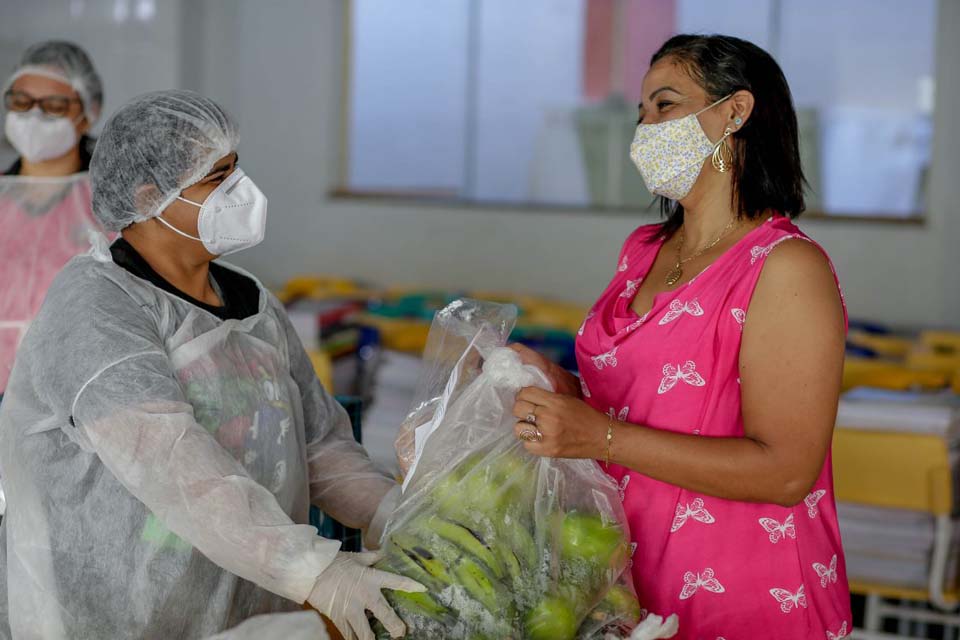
(893, 546)
(902, 411)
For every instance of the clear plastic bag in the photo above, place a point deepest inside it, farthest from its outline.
(509, 545)
(461, 332)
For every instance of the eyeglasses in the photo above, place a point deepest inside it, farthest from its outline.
(56, 106)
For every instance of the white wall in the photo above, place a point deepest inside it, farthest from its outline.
(747, 19)
(134, 44)
(278, 66)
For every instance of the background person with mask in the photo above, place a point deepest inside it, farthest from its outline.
(165, 434)
(52, 100)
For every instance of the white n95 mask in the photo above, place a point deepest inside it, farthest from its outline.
(232, 218)
(670, 155)
(38, 137)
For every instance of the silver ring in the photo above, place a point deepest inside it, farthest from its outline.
(531, 419)
(529, 435)
(539, 435)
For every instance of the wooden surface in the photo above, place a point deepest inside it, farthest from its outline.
(331, 630)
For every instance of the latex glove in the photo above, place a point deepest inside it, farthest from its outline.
(350, 587)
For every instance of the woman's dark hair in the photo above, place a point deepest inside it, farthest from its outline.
(766, 170)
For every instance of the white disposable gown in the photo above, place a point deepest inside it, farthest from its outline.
(159, 464)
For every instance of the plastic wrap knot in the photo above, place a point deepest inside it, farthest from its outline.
(504, 369)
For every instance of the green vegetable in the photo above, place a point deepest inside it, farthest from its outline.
(552, 619)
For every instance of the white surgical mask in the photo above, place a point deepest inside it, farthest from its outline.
(232, 218)
(670, 155)
(38, 137)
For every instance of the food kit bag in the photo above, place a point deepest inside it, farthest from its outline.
(509, 545)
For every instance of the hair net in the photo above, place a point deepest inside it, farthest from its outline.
(153, 148)
(68, 63)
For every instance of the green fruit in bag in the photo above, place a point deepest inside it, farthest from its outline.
(517, 475)
(447, 492)
(417, 603)
(397, 561)
(467, 540)
(621, 600)
(482, 491)
(619, 605)
(504, 482)
(434, 562)
(516, 535)
(483, 587)
(586, 537)
(513, 469)
(553, 619)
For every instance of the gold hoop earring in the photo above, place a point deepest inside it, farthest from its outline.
(722, 154)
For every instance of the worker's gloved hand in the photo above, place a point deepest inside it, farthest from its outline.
(350, 587)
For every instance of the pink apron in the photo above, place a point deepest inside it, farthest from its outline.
(45, 223)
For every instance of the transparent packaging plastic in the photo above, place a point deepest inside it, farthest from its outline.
(509, 545)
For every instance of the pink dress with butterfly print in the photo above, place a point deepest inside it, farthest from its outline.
(730, 570)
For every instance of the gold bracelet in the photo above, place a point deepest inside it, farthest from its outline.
(609, 439)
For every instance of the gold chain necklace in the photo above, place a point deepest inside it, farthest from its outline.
(673, 277)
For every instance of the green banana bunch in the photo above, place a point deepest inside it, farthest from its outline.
(516, 537)
(398, 560)
(494, 572)
(482, 587)
(434, 562)
(455, 547)
(518, 553)
(418, 603)
(443, 554)
(468, 540)
(445, 488)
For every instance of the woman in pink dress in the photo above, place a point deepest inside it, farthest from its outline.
(711, 365)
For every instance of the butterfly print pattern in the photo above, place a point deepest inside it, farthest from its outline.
(813, 501)
(672, 374)
(678, 309)
(695, 511)
(778, 531)
(790, 601)
(608, 359)
(827, 573)
(694, 582)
